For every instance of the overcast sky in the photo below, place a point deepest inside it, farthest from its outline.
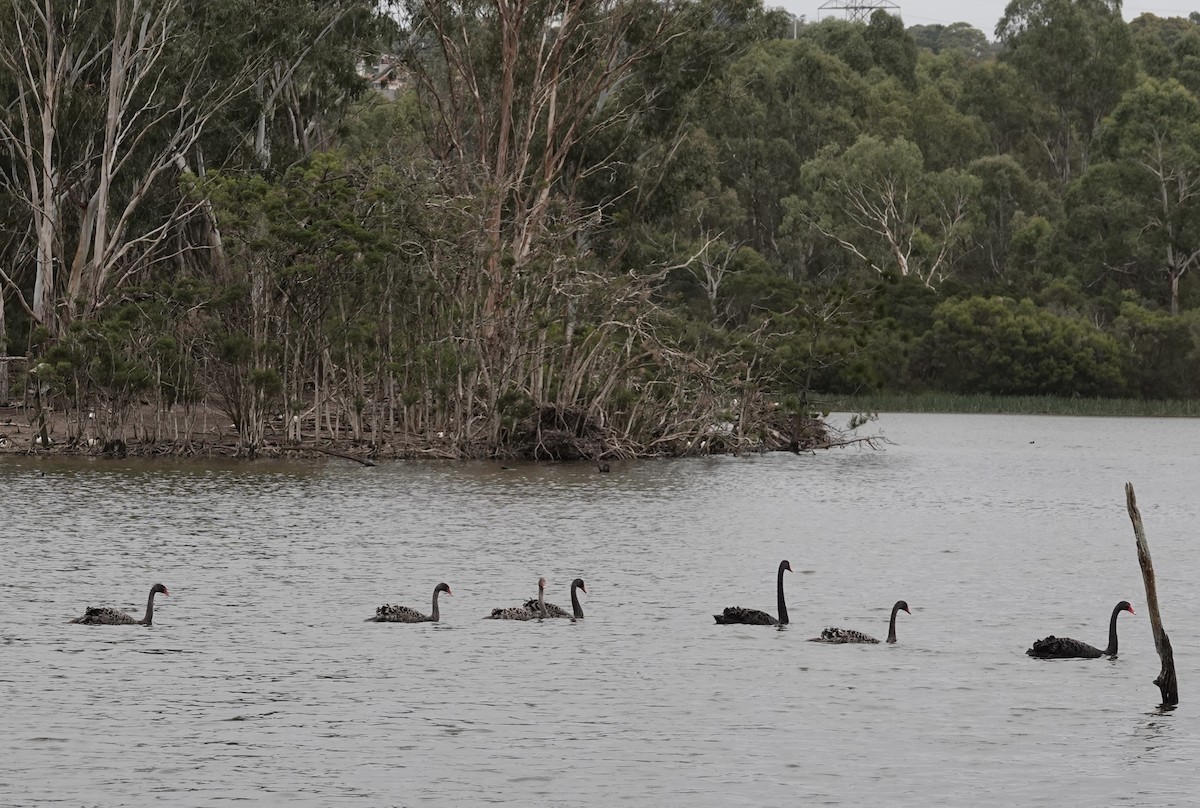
(983, 14)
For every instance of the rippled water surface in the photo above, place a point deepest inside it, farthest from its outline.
(260, 680)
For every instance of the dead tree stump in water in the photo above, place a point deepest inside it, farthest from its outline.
(1166, 682)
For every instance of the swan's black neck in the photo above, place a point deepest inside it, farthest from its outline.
(783, 618)
(433, 618)
(575, 607)
(892, 624)
(149, 618)
(1111, 650)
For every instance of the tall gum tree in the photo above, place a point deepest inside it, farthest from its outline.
(532, 106)
(877, 202)
(97, 121)
(1156, 131)
(1078, 57)
(109, 104)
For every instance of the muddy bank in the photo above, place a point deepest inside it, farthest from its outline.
(205, 433)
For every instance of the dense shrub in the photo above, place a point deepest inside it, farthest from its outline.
(997, 345)
(1161, 352)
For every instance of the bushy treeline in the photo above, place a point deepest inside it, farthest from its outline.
(1023, 216)
(582, 230)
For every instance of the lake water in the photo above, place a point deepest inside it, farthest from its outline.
(260, 681)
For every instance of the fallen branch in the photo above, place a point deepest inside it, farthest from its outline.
(363, 460)
(1166, 682)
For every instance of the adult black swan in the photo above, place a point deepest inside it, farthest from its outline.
(524, 612)
(1065, 648)
(740, 614)
(848, 635)
(104, 616)
(404, 614)
(576, 612)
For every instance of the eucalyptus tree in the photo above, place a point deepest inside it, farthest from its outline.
(103, 108)
(1010, 203)
(107, 106)
(892, 49)
(1013, 113)
(775, 108)
(958, 36)
(947, 136)
(877, 201)
(1078, 57)
(1168, 48)
(1155, 131)
(549, 117)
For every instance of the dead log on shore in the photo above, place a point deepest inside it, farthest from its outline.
(365, 461)
(1167, 684)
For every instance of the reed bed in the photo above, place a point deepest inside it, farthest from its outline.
(1018, 405)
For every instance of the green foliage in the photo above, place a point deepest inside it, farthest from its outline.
(959, 37)
(746, 216)
(1020, 405)
(999, 346)
(1012, 232)
(878, 202)
(1162, 351)
(892, 49)
(1168, 48)
(946, 136)
(1078, 57)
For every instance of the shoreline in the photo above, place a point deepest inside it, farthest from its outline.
(210, 435)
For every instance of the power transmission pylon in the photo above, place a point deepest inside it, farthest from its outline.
(858, 10)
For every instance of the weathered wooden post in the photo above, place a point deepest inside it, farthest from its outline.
(1166, 682)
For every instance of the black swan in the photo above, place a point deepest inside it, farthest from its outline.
(739, 614)
(525, 611)
(404, 614)
(104, 616)
(1065, 648)
(847, 635)
(558, 611)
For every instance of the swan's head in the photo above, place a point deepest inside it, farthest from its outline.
(444, 587)
(901, 605)
(786, 565)
(157, 588)
(1124, 606)
(579, 583)
(541, 583)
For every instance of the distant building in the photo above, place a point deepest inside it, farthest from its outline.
(387, 75)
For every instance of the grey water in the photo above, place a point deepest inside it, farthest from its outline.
(260, 681)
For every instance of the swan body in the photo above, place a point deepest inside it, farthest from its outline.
(511, 613)
(1065, 648)
(843, 635)
(755, 617)
(849, 635)
(530, 610)
(576, 612)
(105, 616)
(406, 614)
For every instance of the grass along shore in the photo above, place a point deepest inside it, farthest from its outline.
(1017, 405)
